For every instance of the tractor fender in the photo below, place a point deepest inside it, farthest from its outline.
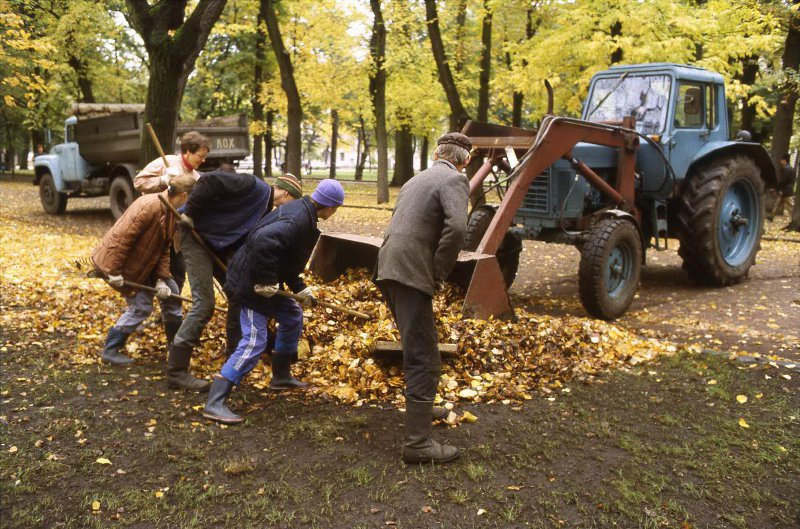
(756, 151)
(48, 163)
(620, 214)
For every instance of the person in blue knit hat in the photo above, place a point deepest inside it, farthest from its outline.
(274, 256)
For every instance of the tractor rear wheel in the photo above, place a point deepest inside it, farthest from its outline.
(53, 202)
(120, 195)
(611, 264)
(721, 220)
(510, 248)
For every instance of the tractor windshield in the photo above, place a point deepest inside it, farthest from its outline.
(644, 96)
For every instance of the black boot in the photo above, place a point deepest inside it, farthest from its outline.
(178, 376)
(282, 373)
(111, 352)
(215, 408)
(418, 446)
(440, 413)
(171, 329)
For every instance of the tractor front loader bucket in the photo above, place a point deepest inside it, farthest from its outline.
(478, 274)
(336, 252)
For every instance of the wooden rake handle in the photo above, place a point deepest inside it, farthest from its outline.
(153, 137)
(148, 288)
(332, 306)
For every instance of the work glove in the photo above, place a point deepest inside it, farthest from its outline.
(162, 290)
(308, 300)
(266, 290)
(170, 173)
(116, 281)
(440, 286)
(187, 221)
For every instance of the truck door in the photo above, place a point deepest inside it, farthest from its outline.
(689, 129)
(68, 154)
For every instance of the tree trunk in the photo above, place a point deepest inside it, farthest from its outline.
(486, 63)
(423, 154)
(403, 156)
(461, 19)
(172, 45)
(748, 77)
(794, 225)
(616, 32)
(84, 84)
(458, 115)
(377, 90)
(268, 144)
(334, 141)
(362, 149)
(258, 106)
(784, 114)
(294, 110)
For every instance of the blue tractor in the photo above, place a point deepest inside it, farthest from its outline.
(651, 158)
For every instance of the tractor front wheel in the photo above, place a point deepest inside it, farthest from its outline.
(510, 248)
(610, 267)
(721, 220)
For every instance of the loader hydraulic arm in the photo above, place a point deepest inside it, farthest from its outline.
(556, 139)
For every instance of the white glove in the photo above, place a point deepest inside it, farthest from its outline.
(266, 290)
(116, 281)
(186, 220)
(171, 172)
(162, 289)
(308, 297)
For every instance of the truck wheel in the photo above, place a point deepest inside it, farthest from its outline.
(611, 264)
(510, 248)
(121, 195)
(721, 220)
(53, 202)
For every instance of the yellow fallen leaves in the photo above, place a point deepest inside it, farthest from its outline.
(95, 505)
(496, 361)
(743, 423)
(102, 461)
(741, 399)
(468, 417)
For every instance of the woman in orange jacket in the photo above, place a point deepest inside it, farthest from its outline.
(136, 249)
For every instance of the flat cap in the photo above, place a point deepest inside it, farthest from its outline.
(455, 138)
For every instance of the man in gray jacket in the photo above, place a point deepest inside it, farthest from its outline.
(419, 250)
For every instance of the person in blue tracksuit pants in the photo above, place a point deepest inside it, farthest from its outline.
(275, 254)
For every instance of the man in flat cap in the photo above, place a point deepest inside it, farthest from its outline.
(419, 249)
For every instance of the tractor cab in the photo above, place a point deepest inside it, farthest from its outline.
(680, 108)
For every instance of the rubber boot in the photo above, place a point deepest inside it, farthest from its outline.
(282, 373)
(215, 408)
(171, 329)
(440, 413)
(418, 445)
(178, 376)
(111, 352)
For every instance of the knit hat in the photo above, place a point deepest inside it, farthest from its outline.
(329, 193)
(289, 183)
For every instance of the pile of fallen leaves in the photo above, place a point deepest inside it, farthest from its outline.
(496, 360)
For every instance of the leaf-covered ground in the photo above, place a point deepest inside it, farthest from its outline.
(579, 423)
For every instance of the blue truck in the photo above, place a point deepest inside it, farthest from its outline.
(100, 154)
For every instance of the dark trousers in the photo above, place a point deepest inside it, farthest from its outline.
(413, 313)
(177, 267)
